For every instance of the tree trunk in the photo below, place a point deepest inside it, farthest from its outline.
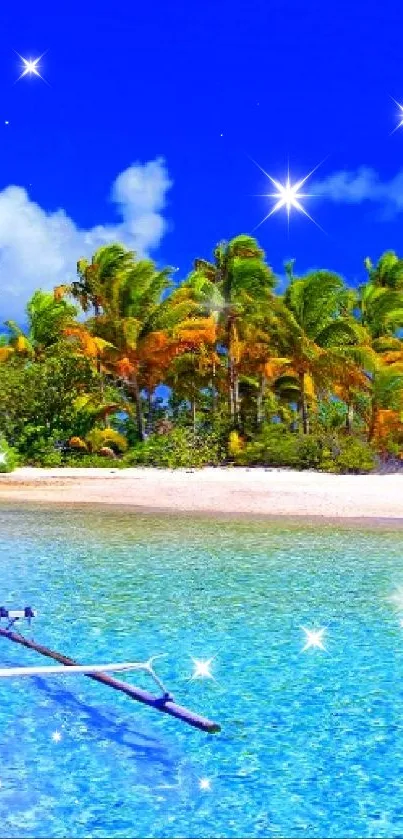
(233, 387)
(135, 393)
(304, 405)
(213, 392)
(372, 422)
(194, 415)
(97, 312)
(233, 392)
(231, 405)
(237, 403)
(149, 424)
(349, 418)
(260, 398)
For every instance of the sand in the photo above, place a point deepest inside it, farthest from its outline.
(233, 491)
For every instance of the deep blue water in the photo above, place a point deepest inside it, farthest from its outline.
(311, 742)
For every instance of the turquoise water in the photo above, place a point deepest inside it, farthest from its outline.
(311, 742)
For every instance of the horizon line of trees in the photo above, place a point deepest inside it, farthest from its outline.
(236, 354)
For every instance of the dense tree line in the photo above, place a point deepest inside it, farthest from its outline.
(312, 376)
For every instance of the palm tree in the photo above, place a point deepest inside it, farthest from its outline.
(387, 394)
(314, 331)
(47, 319)
(239, 282)
(96, 278)
(90, 346)
(379, 309)
(131, 308)
(387, 273)
(193, 365)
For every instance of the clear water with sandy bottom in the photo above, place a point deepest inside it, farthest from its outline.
(311, 742)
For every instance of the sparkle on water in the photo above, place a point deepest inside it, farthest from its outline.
(314, 638)
(205, 784)
(202, 669)
(311, 743)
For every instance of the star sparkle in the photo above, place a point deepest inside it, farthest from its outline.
(56, 736)
(288, 195)
(400, 115)
(30, 67)
(202, 669)
(314, 638)
(205, 784)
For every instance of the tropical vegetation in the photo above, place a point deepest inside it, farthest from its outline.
(126, 364)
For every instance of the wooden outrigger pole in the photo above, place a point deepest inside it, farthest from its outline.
(163, 703)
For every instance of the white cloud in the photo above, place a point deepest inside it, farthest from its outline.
(39, 249)
(364, 184)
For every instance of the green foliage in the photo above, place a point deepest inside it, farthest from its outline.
(388, 273)
(319, 358)
(235, 444)
(93, 461)
(100, 437)
(275, 446)
(37, 447)
(8, 457)
(42, 396)
(47, 318)
(180, 448)
(355, 456)
(128, 427)
(332, 415)
(278, 447)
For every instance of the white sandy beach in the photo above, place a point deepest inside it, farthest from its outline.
(240, 491)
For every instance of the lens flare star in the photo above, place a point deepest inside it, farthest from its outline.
(30, 67)
(56, 736)
(313, 638)
(400, 115)
(202, 669)
(288, 195)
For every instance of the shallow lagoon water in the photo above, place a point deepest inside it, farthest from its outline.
(311, 742)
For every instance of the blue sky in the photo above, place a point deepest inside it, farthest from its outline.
(153, 110)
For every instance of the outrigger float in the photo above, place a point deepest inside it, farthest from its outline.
(98, 672)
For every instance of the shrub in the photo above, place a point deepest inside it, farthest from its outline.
(50, 459)
(78, 444)
(235, 444)
(98, 438)
(86, 461)
(8, 457)
(276, 446)
(355, 456)
(38, 447)
(180, 448)
(310, 452)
